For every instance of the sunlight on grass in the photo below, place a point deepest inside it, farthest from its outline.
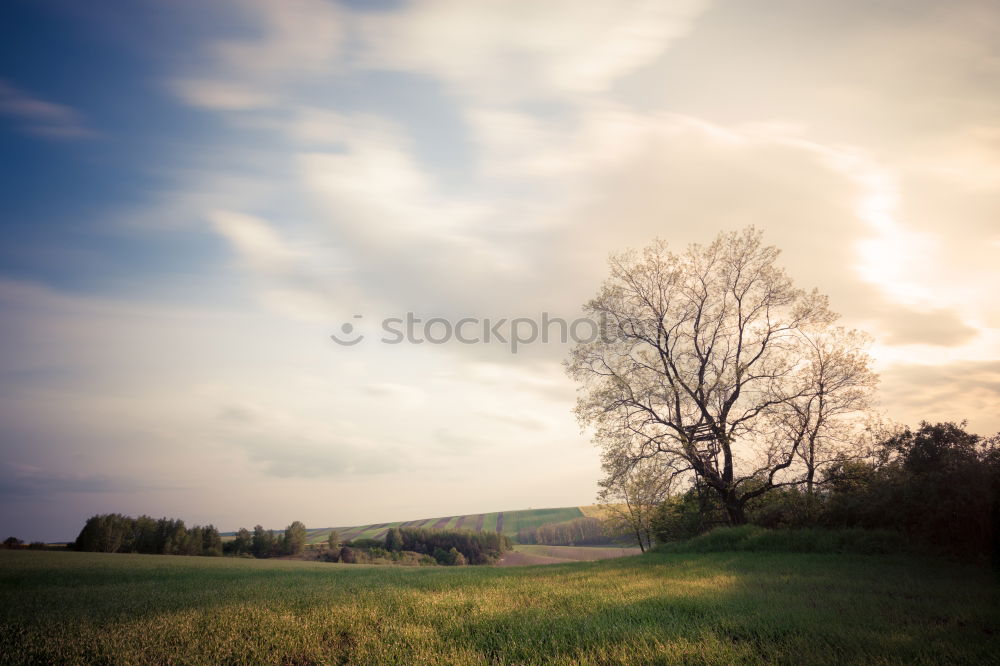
(710, 608)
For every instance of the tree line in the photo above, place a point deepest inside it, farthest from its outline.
(13, 543)
(448, 547)
(262, 543)
(585, 531)
(117, 533)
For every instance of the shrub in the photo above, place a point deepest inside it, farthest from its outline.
(687, 515)
(810, 540)
(365, 544)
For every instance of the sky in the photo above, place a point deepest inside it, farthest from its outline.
(195, 196)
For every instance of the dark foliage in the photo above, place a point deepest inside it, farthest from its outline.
(687, 515)
(365, 543)
(939, 486)
(475, 547)
(116, 533)
(394, 540)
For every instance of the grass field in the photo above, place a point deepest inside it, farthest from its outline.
(523, 555)
(718, 608)
(509, 522)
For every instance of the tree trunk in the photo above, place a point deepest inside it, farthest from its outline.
(735, 511)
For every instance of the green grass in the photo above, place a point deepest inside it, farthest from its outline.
(718, 608)
(513, 521)
(490, 522)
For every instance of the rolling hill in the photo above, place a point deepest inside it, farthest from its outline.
(505, 522)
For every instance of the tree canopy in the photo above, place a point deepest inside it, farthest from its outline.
(713, 363)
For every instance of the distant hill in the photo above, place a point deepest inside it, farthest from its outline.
(505, 522)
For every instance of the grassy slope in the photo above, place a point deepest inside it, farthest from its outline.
(523, 555)
(513, 521)
(714, 608)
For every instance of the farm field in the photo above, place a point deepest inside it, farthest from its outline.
(506, 522)
(717, 608)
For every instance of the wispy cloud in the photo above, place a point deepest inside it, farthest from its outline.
(499, 50)
(25, 481)
(37, 116)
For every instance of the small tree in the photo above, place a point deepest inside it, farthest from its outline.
(394, 540)
(834, 387)
(631, 493)
(295, 538)
(12, 542)
(243, 543)
(212, 541)
(262, 542)
(333, 540)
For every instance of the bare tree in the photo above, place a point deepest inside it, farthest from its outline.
(834, 387)
(702, 353)
(630, 493)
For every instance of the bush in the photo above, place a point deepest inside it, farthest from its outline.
(940, 486)
(410, 559)
(810, 540)
(365, 544)
(687, 515)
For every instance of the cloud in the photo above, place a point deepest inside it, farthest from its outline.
(946, 392)
(330, 459)
(511, 50)
(935, 327)
(221, 95)
(519, 422)
(255, 241)
(294, 36)
(37, 116)
(289, 41)
(25, 481)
